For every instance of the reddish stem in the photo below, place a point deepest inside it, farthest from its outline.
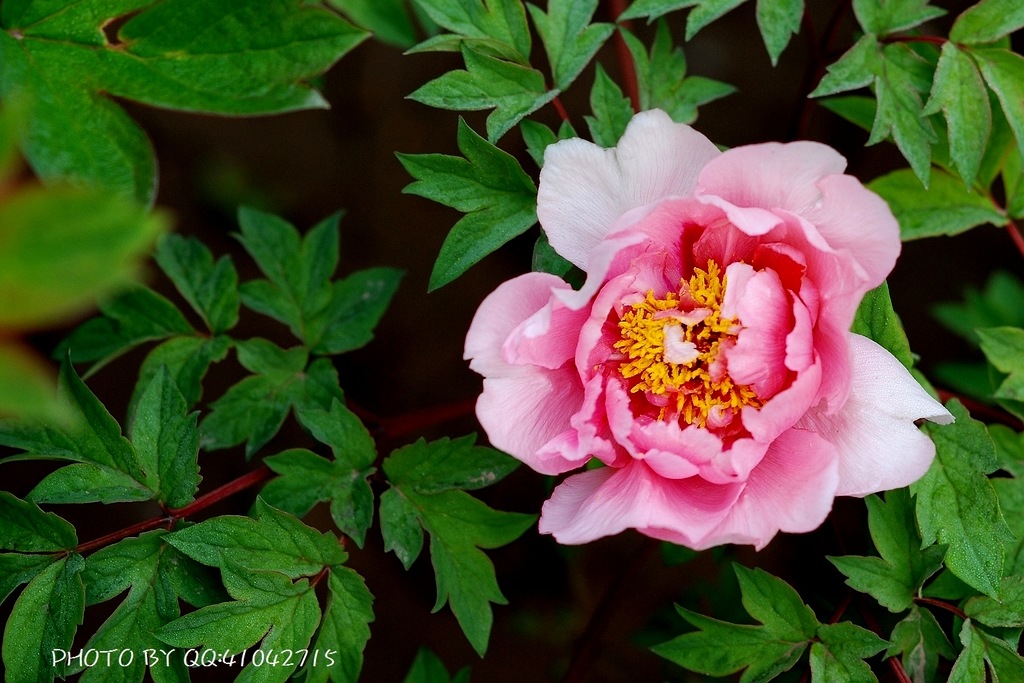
(934, 40)
(894, 663)
(982, 409)
(174, 515)
(560, 108)
(394, 427)
(1015, 235)
(944, 605)
(625, 59)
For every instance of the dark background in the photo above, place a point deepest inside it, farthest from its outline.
(600, 605)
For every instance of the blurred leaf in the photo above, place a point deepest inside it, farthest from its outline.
(345, 627)
(307, 479)
(498, 24)
(512, 90)
(956, 504)
(427, 668)
(270, 540)
(894, 578)
(167, 441)
(488, 185)
(662, 81)
(44, 619)
(840, 653)
(876, 320)
(268, 607)
(27, 386)
(719, 648)
(945, 208)
(388, 19)
(959, 92)
(612, 110)
(1004, 348)
(921, 641)
(996, 306)
(570, 40)
(1009, 449)
(987, 21)
(12, 123)
(27, 529)
(425, 480)
(1004, 72)
(884, 17)
(211, 289)
(254, 409)
(778, 21)
(214, 56)
(63, 248)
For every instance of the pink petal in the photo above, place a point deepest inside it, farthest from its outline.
(584, 189)
(791, 490)
(771, 175)
(609, 500)
(528, 407)
(548, 338)
(500, 314)
(880, 447)
(852, 218)
(784, 409)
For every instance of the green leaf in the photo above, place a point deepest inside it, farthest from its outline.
(1009, 449)
(500, 24)
(857, 68)
(63, 248)
(44, 619)
(920, 641)
(1007, 611)
(839, 656)
(987, 21)
(211, 289)
(268, 607)
(900, 109)
(706, 12)
(877, 321)
(400, 527)
(959, 91)
(895, 578)
(270, 540)
(547, 260)
(113, 471)
(307, 479)
(570, 40)
(167, 441)
(27, 529)
(884, 17)
(254, 409)
(778, 21)
(388, 19)
(956, 504)
(662, 81)
(424, 478)
(187, 359)
(133, 317)
(1002, 658)
(970, 664)
(213, 56)
(537, 137)
(612, 110)
(775, 604)
(1004, 72)
(945, 208)
(358, 302)
(512, 90)
(148, 567)
(428, 668)
(1004, 348)
(488, 185)
(16, 569)
(652, 9)
(345, 628)
(996, 306)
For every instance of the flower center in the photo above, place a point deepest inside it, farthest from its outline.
(674, 352)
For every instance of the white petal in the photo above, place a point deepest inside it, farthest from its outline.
(584, 189)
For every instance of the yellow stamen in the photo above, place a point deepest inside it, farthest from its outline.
(684, 391)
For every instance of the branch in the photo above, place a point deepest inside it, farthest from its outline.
(944, 605)
(626, 67)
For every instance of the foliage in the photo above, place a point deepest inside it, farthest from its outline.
(244, 357)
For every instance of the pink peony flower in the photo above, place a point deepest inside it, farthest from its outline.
(707, 361)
